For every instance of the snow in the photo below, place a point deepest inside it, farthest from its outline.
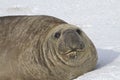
(100, 19)
(108, 67)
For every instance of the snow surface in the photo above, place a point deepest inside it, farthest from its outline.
(100, 19)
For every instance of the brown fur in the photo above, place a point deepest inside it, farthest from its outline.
(28, 53)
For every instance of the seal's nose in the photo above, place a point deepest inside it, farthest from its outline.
(73, 40)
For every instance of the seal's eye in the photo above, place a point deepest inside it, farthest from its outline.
(78, 31)
(57, 35)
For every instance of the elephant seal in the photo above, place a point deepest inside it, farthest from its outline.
(43, 48)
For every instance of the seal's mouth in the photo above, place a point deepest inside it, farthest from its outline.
(73, 53)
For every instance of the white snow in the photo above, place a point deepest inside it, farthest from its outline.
(100, 19)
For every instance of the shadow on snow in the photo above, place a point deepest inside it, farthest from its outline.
(106, 57)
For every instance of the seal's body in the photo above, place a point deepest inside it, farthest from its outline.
(43, 48)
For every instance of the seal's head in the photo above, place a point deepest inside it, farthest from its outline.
(69, 42)
(69, 45)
